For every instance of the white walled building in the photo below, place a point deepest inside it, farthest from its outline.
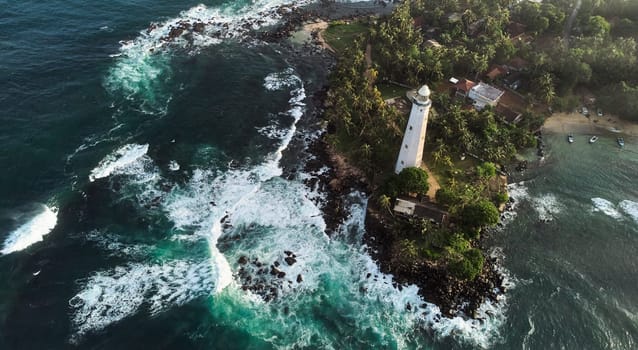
(411, 153)
(485, 95)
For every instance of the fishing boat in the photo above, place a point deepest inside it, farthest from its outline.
(570, 138)
(593, 139)
(621, 141)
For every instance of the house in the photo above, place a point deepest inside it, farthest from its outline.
(496, 71)
(484, 95)
(509, 116)
(413, 208)
(462, 87)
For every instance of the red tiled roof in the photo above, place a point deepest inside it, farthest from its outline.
(496, 72)
(464, 85)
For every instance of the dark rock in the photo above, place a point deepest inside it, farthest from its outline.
(243, 260)
(290, 260)
(299, 278)
(198, 27)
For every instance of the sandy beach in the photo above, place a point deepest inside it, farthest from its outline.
(579, 124)
(305, 33)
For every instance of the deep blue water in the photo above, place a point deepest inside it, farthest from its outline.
(139, 171)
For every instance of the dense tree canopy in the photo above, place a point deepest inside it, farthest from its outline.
(479, 214)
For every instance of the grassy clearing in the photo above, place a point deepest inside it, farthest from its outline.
(441, 171)
(391, 91)
(340, 35)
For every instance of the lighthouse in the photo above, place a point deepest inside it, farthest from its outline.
(411, 152)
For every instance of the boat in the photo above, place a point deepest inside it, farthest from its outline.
(570, 138)
(621, 141)
(593, 139)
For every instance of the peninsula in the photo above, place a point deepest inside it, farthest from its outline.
(491, 72)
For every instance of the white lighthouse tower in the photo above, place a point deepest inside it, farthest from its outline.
(411, 151)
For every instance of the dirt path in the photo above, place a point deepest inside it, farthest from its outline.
(368, 55)
(432, 182)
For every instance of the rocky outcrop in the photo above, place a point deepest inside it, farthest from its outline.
(436, 284)
(266, 280)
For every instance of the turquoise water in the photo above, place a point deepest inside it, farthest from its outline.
(140, 173)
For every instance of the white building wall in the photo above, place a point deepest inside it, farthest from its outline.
(411, 153)
(481, 100)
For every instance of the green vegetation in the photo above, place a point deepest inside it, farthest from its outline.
(390, 91)
(408, 181)
(341, 35)
(367, 130)
(598, 54)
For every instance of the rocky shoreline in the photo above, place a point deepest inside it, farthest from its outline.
(436, 285)
(336, 178)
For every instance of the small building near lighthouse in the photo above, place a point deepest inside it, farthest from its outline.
(411, 153)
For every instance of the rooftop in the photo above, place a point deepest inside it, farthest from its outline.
(496, 71)
(411, 207)
(464, 85)
(487, 91)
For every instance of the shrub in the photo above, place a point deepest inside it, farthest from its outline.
(479, 214)
(447, 196)
(501, 197)
(469, 265)
(412, 180)
(486, 170)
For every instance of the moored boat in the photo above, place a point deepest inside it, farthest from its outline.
(570, 138)
(593, 139)
(621, 141)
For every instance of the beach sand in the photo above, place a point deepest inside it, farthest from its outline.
(305, 33)
(577, 123)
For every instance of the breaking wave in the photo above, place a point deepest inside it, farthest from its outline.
(32, 231)
(606, 207)
(142, 68)
(630, 208)
(117, 161)
(547, 207)
(200, 208)
(110, 296)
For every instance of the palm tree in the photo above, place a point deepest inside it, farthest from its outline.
(385, 202)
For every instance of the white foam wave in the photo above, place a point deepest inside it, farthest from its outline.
(280, 80)
(607, 207)
(547, 207)
(630, 208)
(143, 64)
(209, 199)
(118, 160)
(173, 166)
(32, 231)
(110, 296)
(340, 267)
(517, 193)
(115, 247)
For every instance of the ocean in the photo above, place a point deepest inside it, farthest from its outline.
(154, 196)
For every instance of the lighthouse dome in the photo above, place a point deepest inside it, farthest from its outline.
(422, 96)
(424, 91)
